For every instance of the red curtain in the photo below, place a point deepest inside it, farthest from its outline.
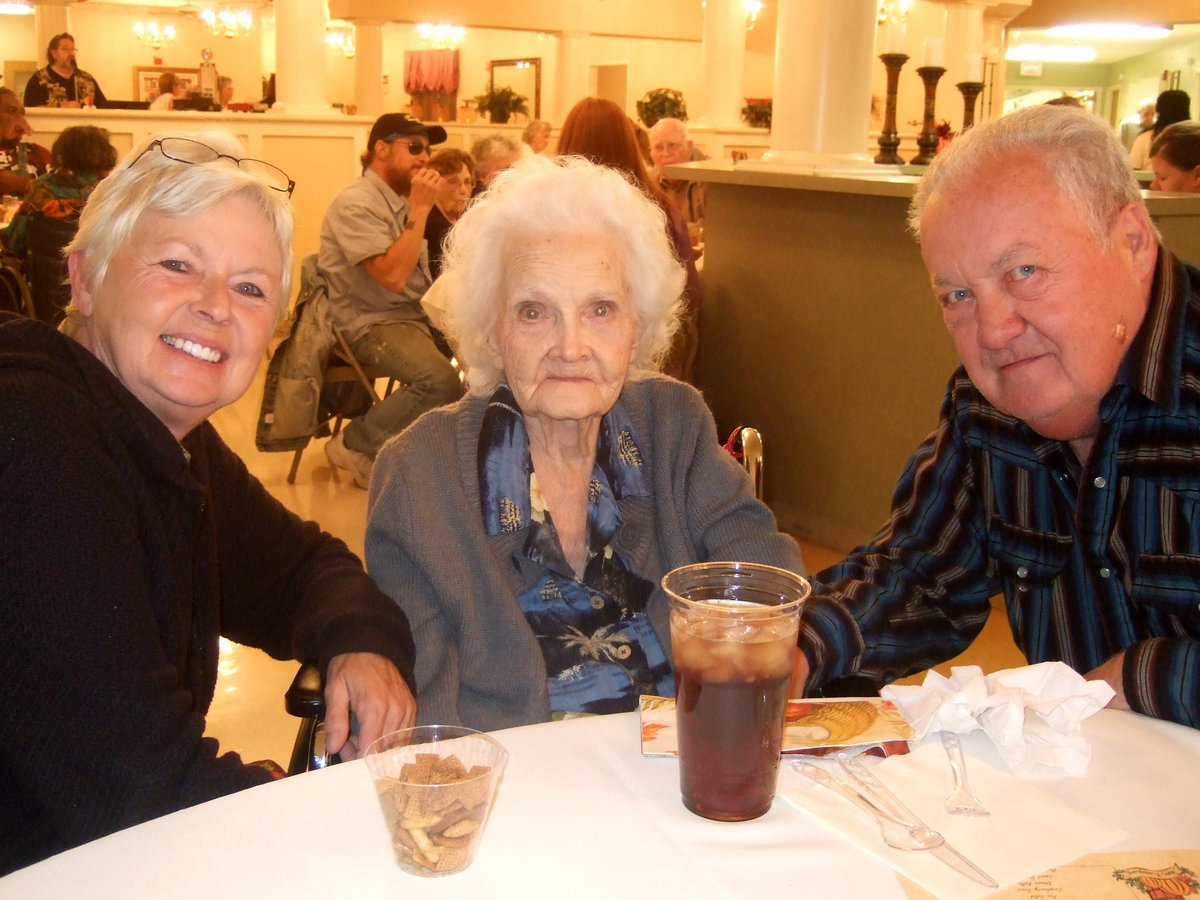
(431, 70)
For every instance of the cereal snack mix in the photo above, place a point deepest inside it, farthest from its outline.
(435, 786)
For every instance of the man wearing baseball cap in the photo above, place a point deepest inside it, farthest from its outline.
(375, 265)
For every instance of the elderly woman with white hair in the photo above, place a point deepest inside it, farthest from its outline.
(524, 530)
(132, 537)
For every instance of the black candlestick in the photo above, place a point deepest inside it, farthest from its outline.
(969, 90)
(889, 138)
(928, 138)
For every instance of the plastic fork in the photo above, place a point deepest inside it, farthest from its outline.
(960, 801)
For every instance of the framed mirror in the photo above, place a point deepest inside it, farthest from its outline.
(524, 76)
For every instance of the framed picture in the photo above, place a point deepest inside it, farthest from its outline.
(145, 80)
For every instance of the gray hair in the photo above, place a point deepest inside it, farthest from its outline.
(533, 128)
(544, 197)
(153, 183)
(1079, 151)
(663, 124)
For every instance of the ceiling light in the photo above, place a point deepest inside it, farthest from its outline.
(228, 22)
(16, 9)
(441, 37)
(154, 35)
(1050, 53)
(1109, 31)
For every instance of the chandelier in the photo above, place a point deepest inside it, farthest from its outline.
(155, 35)
(441, 37)
(340, 36)
(228, 22)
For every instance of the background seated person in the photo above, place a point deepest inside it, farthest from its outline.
(599, 130)
(535, 138)
(81, 156)
(1171, 106)
(556, 495)
(669, 146)
(376, 268)
(20, 161)
(132, 536)
(1065, 468)
(224, 91)
(1175, 158)
(458, 180)
(492, 154)
(170, 88)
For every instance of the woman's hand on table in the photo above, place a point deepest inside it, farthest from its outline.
(370, 687)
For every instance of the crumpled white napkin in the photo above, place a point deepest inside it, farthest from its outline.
(1032, 714)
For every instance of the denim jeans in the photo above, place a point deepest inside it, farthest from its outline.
(426, 379)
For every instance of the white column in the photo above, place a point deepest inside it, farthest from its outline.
(368, 67)
(571, 80)
(49, 19)
(723, 51)
(822, 105)
(300, 57)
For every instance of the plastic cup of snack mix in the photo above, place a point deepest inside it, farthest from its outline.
(436, 784)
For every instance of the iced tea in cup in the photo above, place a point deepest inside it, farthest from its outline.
(733, 641)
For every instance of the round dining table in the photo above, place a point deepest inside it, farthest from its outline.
(580, 813)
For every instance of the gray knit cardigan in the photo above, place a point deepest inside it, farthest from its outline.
(478, 661)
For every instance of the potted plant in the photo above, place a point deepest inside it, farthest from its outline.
(501, 103)
(757, 113)
(661, 103)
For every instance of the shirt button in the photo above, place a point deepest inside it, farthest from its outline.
(597, 601)
(1022, 572)
(1105, 572)
(1100, 481)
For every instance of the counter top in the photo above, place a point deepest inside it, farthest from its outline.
(883, 181)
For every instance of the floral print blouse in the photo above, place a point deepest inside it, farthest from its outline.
(601, 651)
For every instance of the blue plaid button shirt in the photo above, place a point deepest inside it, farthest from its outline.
(1092, 559)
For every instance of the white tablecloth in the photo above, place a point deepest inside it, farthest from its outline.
(580, 814)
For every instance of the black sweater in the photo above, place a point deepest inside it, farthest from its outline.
(122, 559)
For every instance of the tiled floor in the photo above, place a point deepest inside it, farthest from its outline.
(248, 715)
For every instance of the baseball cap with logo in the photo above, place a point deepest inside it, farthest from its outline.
(391, 126)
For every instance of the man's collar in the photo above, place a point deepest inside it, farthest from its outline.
(1154, 360)
(395, 201)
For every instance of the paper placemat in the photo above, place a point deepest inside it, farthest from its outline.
(1028, 832)
(813, 727)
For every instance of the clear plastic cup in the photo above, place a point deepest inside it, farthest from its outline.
(436, 785)
(733, 643)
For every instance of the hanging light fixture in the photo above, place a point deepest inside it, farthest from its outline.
(228, 21)
(440, 37)
(154, 35)
(340, 36)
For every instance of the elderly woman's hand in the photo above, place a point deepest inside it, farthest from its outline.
(370, 687)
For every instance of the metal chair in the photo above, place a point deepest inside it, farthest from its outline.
(746, 445)
(305, 698)
(348, 390)
(46, 267)
(14, 289)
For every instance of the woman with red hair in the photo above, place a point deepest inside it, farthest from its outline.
(600, 131)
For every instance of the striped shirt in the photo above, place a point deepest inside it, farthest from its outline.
(1092, 559)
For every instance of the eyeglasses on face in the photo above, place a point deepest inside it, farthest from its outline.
(415, 146)
(195, 153)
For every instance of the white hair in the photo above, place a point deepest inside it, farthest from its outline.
(147, 181)
(550, 197)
